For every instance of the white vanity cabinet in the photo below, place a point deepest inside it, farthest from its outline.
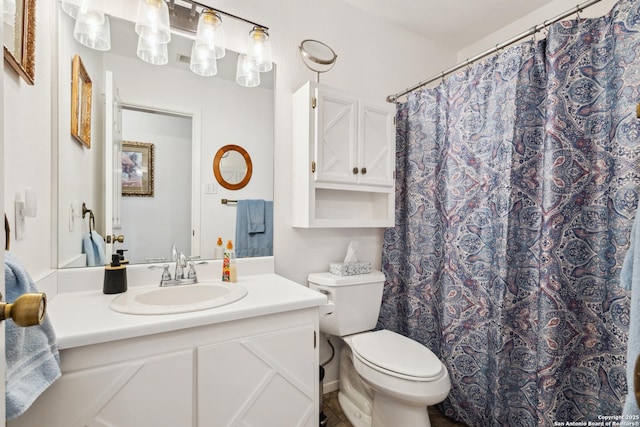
(343, 159)
(259, 371)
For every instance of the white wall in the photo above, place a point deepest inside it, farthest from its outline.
(551, 10)
(79, 179)
(28, 149)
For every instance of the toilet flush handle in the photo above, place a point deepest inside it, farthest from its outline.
(330, 306)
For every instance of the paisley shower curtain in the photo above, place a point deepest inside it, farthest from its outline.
(517, 184)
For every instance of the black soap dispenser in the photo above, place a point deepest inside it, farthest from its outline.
(120, 253)
(115, 276)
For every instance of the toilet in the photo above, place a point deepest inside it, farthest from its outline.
(386, 379)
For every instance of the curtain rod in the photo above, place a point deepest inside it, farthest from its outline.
(499, 46)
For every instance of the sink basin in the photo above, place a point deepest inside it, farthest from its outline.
(177, 299)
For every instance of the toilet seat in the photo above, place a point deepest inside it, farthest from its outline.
(396, 355)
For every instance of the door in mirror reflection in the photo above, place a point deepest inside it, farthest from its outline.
(151, 225)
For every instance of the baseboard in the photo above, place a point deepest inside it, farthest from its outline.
(329, 386)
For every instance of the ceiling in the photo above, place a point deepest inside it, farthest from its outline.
(457, 24)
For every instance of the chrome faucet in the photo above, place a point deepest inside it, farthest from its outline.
(178, 277)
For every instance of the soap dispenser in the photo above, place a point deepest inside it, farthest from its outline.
(120, 253)
(115, 276)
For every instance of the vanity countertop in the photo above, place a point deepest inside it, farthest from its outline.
(84, 318)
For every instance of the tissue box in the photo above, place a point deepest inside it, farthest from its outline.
(349, 268)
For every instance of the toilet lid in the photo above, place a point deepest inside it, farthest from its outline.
(397, 354)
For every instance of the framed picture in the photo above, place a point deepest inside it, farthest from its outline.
(81, 88)
(137, 169)
(20, 37)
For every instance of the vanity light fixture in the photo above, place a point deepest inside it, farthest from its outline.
(247, 73)
(203, 62)
(152, 52)
(210, 34)
(92, 24)
(260, 48)
(154, 21)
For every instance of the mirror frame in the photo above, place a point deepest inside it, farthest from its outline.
(25, 66)
(216, 167)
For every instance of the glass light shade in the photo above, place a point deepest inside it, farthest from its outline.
(92, 29)
(202, 61)
(73, 7)
(210, 34)
(260, 48)
(152, 22)
(153, 53)
(247, 73)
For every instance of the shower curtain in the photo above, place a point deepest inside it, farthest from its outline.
(517, 184)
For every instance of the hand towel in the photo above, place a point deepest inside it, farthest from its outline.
(253, 244)
(32, 358)
(630, 279)
(255, 215)
(94, 247)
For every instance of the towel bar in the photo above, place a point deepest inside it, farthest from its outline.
(227, 201)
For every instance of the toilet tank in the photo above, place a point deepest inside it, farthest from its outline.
(357, 301)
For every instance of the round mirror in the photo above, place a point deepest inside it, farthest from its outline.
(232, 167)
(317, 56)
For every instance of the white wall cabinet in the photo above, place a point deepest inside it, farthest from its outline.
(261, 371)
(344, 160)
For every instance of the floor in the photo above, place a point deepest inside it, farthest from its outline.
(336, 418)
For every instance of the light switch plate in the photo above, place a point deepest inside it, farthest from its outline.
(21, 228)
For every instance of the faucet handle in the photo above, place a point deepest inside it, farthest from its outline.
(191, 274)
(165, 274)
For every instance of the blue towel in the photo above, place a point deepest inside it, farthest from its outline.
(253, 244)
(95, 249)
(255, 216)
(630, 279)
(33, 362)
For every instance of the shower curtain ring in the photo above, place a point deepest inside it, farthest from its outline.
(534, 30)
(546, 31)
(578, 10)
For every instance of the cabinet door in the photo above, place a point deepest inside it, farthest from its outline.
(376, 149)
(265, 381)
(336, 118)
(152, 392)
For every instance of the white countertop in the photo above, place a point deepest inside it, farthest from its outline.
(84, 317)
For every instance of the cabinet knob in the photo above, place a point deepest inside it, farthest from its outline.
(363, 171)
(355, 171)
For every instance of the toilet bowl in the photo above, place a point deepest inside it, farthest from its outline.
(389, 380)
(386, 379)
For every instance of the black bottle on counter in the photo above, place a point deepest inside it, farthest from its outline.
(115, 276)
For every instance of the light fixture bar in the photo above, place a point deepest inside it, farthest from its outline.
(230, 15)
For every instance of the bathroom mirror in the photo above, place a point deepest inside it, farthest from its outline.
(232, 167)
(202, 113)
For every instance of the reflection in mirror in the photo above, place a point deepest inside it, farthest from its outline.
(185, 209)
(19, 25)
(232, 167)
